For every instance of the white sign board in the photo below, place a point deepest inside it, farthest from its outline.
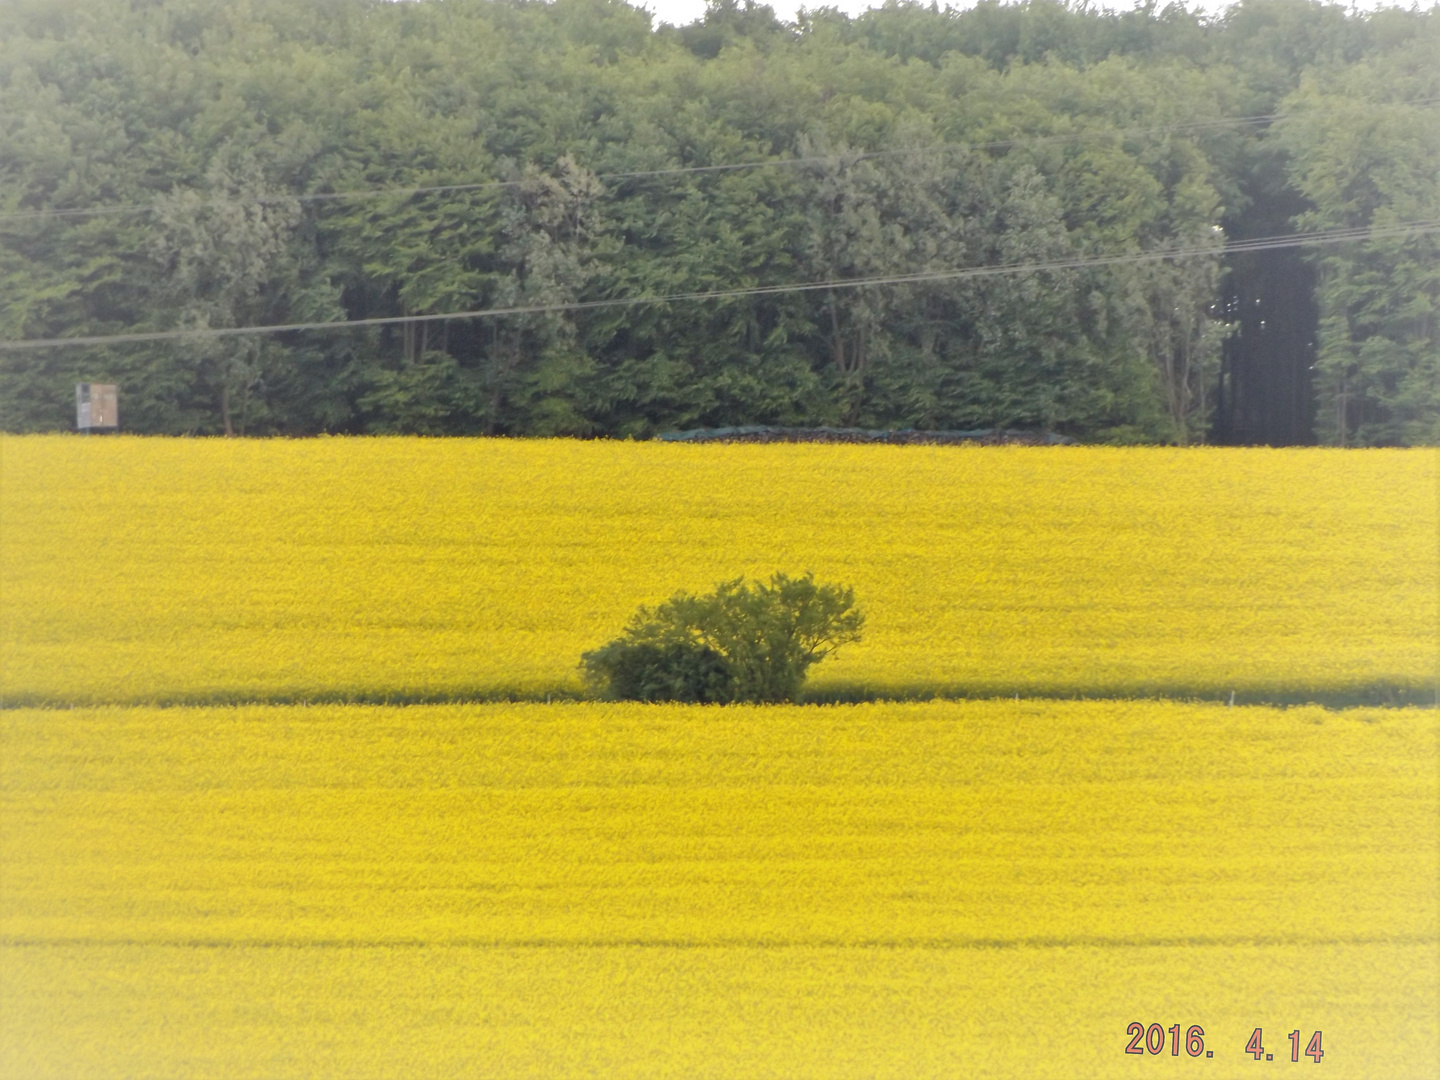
(97, 406)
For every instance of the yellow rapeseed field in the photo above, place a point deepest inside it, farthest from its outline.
(202, 875)
(152, 570)
(914, 890)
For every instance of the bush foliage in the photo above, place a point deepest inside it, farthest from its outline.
(742, 642)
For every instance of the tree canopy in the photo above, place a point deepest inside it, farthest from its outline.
(744, 641)
(213, 164)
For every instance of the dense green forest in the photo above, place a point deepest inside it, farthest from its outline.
(194, 164)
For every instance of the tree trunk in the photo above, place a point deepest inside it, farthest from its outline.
(225, 410)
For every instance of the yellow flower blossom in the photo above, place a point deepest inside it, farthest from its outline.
(151, 570)
(994, 888)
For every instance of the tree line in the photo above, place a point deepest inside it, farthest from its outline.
(211, 164)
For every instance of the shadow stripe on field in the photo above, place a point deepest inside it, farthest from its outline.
(1335, 697)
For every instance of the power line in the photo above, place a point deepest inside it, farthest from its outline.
(689, 170)
(1269, 243)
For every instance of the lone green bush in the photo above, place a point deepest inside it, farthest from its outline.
(676, 671)
(742, 642)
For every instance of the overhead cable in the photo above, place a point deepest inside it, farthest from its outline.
(1269, 243)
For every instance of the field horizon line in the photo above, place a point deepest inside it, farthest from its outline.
(1089, 941)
